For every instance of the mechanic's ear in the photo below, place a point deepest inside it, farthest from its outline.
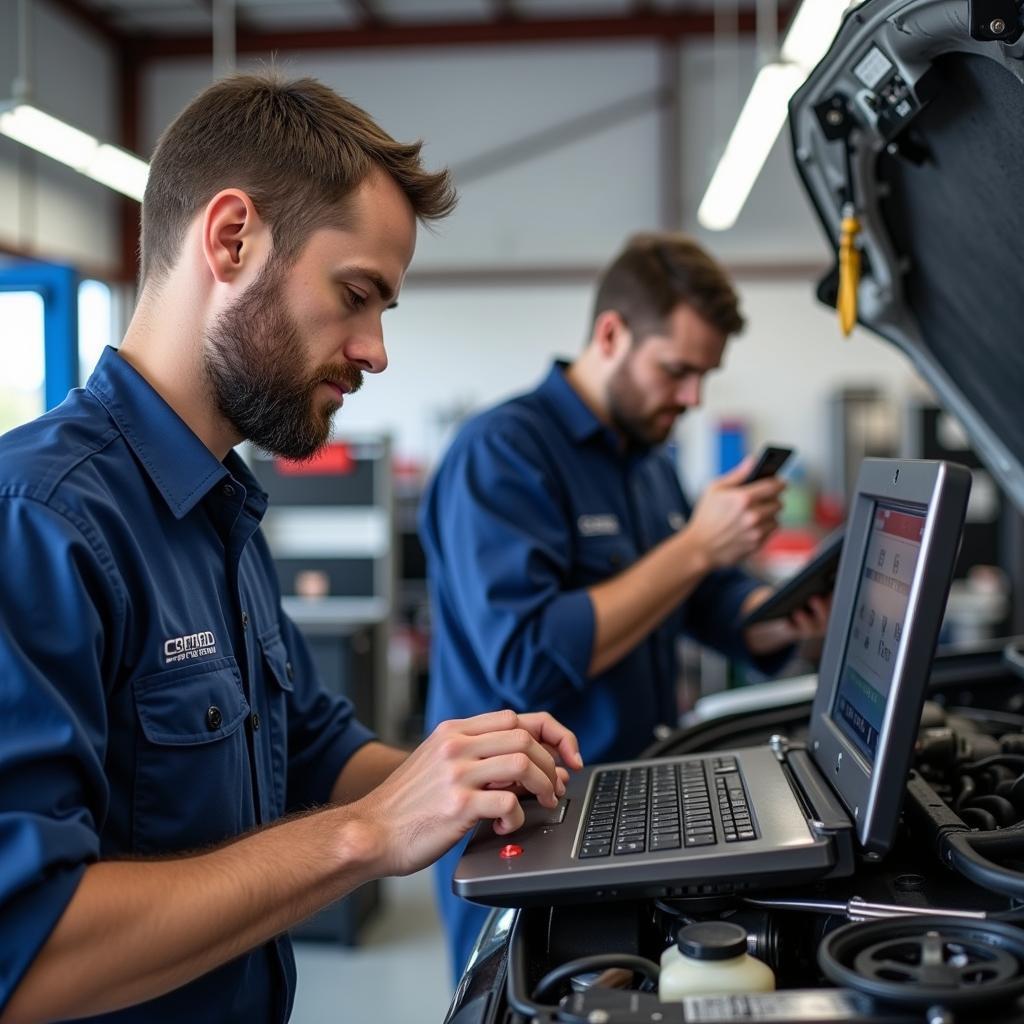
(610, 333)
(235, 238)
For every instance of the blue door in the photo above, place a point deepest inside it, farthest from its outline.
(38, 339)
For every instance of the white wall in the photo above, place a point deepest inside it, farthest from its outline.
(459, 346)
(455, 349)
(46, 208)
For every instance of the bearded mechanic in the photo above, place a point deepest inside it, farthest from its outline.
(564, 561)
(176, 787)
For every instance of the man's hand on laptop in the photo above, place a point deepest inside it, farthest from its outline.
(465, 771)
(807, 624)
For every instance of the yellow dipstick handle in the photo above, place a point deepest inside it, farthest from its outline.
(849, 271)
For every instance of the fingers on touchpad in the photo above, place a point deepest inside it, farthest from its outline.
(539, 815)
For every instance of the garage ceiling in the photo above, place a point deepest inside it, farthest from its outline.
(169, 27)
(175, 17)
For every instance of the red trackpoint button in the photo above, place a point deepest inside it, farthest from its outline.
(511, 850)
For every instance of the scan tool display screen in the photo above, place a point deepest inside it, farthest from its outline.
(879, 619)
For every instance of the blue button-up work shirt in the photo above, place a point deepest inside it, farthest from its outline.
(154, 698)
(534, 503)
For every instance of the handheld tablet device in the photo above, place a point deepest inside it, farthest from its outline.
(817, 577)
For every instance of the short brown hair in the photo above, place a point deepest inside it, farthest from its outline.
(296, 147)
(658, 271)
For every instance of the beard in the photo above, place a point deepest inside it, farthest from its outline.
(641, 427)
(254, 361)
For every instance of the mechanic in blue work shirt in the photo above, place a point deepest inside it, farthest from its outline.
(158, 710)
(564, 560)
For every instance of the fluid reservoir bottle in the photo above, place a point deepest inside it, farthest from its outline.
(710, 958)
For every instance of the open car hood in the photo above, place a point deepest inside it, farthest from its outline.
(920, 123)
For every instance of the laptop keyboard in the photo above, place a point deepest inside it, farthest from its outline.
(665, 807)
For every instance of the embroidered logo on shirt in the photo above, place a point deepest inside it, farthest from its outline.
(187, 648)
(676, 520)
(605, 525)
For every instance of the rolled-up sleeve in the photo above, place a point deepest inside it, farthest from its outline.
(323, 732)
(59, 610)
(507, 552)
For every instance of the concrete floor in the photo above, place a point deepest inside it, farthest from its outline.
(399, 975)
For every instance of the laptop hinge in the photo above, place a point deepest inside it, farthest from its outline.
(826, 816)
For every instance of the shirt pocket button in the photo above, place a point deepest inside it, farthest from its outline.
(213, 718)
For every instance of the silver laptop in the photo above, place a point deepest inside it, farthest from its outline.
(779, 814)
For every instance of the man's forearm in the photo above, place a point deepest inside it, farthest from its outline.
(137, 929)
(629, 606)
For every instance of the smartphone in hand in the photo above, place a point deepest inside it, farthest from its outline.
(769, 462)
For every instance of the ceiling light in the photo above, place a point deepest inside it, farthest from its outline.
(23, 121)
(116, 168)
(812, 30)
(748, 147)
(813, 27)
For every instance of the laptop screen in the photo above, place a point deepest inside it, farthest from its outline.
(876, 627)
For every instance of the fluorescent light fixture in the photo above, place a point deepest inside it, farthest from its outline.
(116, 168)
(759, 123)
(811, 32)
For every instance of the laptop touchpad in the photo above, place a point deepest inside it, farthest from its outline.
(536, 814)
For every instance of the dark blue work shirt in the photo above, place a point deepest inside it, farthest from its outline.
(534, 503)
(154, 698)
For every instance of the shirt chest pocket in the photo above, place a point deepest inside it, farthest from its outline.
(279, 687)
(193, 784)
(600, 558)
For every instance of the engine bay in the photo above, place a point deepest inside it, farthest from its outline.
(930, 933)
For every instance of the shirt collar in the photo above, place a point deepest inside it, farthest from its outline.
(568, 408)
(577, 417)
(181, 467)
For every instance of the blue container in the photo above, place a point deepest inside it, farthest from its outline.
(731, 445)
